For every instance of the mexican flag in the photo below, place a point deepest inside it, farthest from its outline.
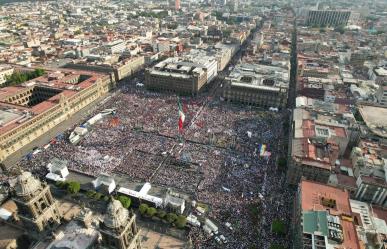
(181, 115)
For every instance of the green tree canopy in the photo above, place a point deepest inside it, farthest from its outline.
(171, 217)
(19, 77)
(62, 185)
(278, 227)
(97, 196)
(125, 201)
(161, 213)
(90, 193)
(73, 187)
(143, 208)
(276, 246)
(151, 212)
(161, 14)
(340, 29)
(227, 32)
(282, 162)
(181, 221)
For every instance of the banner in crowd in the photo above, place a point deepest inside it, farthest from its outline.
(262, 149)
(181, 115)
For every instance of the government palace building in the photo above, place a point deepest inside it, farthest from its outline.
(29, 110)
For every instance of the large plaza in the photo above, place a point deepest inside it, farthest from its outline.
(215, 158)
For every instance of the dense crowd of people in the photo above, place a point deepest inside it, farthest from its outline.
(215, 158)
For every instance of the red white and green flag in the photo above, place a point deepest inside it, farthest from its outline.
(181, 115)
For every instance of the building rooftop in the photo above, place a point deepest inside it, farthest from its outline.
(371, 223)
(322, 106)
(21, 103)
(380, 71)
(313, 195)
(74, 236)
(327, 206)
(375, 118)
(313, 153)
(259, 76)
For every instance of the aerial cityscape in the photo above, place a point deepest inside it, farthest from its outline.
(150, 124)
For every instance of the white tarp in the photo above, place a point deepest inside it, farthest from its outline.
(156, 200)
(55, 177)
(80, 130)
(5, 214)
(94, 119)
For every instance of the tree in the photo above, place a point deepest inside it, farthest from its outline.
(90, 193)
(171, 217)
(340, 29)
(151, 212)
(358, 116)
(276, 246)
(282, 162)
(106, 198)
(172, 25)
(161, 214)
(254, 210)
(19, 77)
(143, 208)
(60, 184)
(278, 227)
(181, 221)
(39, 72)
(97, 196)
(73, 187)
(227, 32)
(125, 201)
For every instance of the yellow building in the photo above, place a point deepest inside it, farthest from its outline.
(34, 108)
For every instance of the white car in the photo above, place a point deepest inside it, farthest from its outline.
(218, 240)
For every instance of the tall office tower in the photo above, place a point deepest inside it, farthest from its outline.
(328, 17)
(177, 4)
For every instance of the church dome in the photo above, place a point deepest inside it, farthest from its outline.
(116, 215)
(27, 185)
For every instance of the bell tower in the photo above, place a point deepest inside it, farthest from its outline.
(119, 229)
(37, 209)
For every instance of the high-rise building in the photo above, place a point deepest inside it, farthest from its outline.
(119, 229)
(37, 209)
(328, 17)
(177, 4)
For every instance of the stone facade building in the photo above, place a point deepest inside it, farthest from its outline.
(37, 209)
(119, 229)
(258, 85)
(29, 111)
(181, 77)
